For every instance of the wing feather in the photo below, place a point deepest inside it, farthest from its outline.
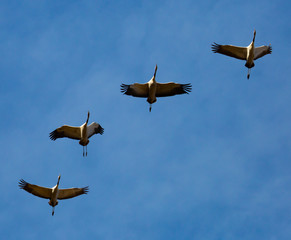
(35, 190)
(135, 90)
(171, 89)
(66, 131)
(262, 51)
(231, 51)
(72, 192)
(94, 128)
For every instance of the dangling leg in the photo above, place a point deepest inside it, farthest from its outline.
(150, 107)
(86, 150)
(249, 71)
(53, 212)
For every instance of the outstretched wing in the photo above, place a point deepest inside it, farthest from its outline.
(35, 190)
(72, 192)
(231, 51)
(171, 89)
(136, 89)
(94, 128)
(262, 51)
(66, 131)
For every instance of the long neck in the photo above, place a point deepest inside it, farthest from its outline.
(254, 36)
(58, 181)
(156, 68)
(88, 118)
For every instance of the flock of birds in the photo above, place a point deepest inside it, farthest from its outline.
(150, 90)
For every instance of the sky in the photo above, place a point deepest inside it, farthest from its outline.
(214, 164)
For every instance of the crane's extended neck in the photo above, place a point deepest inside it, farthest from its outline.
(156, 68)
(88, 117)
(59, 177)
(254, 36)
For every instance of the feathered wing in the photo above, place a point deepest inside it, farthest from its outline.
(72, 192)
(66, 131)
(136, 89)
(35, 190)
(231, 51)
(94, 128)
(171, 89)
(262, 51)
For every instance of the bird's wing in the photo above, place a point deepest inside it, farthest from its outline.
(35, 190)
(72, 192)
(66, 131)
(262, 51)
(231, 51)
(171, 89)
(94, 128)
(136, 89)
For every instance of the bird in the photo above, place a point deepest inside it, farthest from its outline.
(82, 133)
(53, 194)
(152, 89)
(249, 53)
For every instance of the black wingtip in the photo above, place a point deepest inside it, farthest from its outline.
(101, 130)
(86, 189)
(53, 135)
(124, 88)
(22, 183)
(187, 87)
(215, 47)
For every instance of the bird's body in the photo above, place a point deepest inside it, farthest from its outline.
(151, 90)
(54, 196)
(84, 136)
(152, 85)
(82, 133)
(249, 53)
(54, 193)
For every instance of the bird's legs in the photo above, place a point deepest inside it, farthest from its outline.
(150, 107)
(249, 71)
(85, 151)
(53, 212)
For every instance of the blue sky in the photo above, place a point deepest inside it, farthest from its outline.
(214, 164)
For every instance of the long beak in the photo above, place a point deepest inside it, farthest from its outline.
(88, 117)
(156, 68)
